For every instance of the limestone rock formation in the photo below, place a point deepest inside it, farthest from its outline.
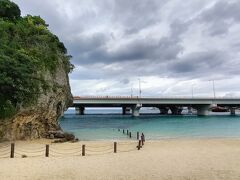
(36, 121)
(34, 84)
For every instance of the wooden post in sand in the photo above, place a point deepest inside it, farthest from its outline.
(115, 147)
(142, 139)
(127, 132)
(130, 134)
(47, 151)
(137, 135)
(139, 145)
(12, 150)
(123, 131)
(83, 150)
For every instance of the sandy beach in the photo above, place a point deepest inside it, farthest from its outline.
(166, 159)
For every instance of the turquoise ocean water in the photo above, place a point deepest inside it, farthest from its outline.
(103, 124)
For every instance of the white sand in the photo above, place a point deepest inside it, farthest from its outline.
(167, 159)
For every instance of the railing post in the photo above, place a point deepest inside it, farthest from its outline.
(83, 150)
(115, 147)
(137, 135)
(12, 150)
(139, 145)
(47, 151)
(130, 134)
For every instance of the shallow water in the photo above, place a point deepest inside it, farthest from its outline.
(96, 126)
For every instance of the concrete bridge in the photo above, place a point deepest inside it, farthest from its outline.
(175, 104)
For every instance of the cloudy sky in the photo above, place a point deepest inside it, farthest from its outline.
(172, 46)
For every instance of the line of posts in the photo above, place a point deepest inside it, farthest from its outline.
(141, 141)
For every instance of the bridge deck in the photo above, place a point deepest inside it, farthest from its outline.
(105, 101)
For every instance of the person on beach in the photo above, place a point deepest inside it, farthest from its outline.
(143, 137)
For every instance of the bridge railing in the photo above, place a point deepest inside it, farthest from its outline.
(152, 97)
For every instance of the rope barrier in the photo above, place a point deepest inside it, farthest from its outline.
(99, 150)
(63, 153)
(129, 150)
(21, 154)
(28, 151)
(53, 155)
(7, 150)
(4, 150)
(87, 154)
(56, 149)
(127, 143)
(65, 149)
(6, 146)
(17, 153)
(4, 157)
(42, 155)
(32, 149)
(5, 154)
(100, 146)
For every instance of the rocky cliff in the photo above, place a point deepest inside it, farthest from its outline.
(41, 118)
(34, 84)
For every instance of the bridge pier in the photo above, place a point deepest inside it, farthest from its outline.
(176, 110)
(233, 111)
(126, 110)
(79, 110)
(163, 110)
(135, 110)
(202, 110)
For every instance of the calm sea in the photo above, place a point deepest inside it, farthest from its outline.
(103, 124)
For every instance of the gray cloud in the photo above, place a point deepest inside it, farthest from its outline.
(199, 62)
(83, 44)
(222, 10)
(135, 15)
(94, 49)
(122, 40)
(221, 16)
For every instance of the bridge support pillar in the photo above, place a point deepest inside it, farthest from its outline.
(125, 110)
(233, 111)
(176, 110)
(163, 110)
(190, 110)
(135, 110)
(203, 110)
(79, 110)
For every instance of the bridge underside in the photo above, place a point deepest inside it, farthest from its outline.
(176, 109)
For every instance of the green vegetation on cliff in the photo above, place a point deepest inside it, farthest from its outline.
(27, 51)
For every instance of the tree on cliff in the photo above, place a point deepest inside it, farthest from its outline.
(9, 10)
(27, 51)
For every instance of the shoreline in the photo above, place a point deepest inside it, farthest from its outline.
(51, 141)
